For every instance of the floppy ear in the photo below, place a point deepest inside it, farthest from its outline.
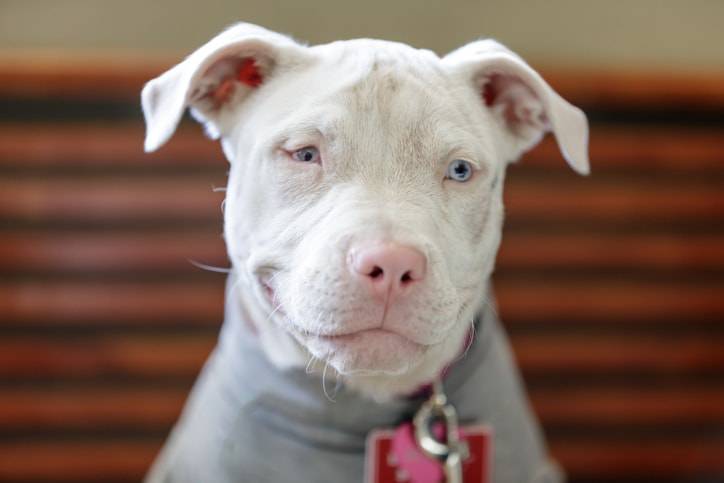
(521, 101)
(215, 78)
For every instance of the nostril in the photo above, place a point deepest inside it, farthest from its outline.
(376, 272)
(388, 269)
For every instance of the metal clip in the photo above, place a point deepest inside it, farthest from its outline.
(451, 451)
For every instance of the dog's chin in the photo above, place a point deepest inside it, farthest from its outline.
(367, 352)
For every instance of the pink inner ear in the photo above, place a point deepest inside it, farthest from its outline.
(497, 88)
(248, 73)
(520, 105)
(490, 93)
(231, 72)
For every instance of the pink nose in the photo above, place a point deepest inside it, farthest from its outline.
(389, 269)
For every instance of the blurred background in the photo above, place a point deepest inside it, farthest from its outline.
(611, 286)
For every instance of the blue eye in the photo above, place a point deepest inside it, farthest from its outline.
(459, 170)
(308, 154)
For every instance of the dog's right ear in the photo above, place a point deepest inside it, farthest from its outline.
(214, 78)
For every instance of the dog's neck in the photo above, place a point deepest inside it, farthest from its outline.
(341, 415)
(286, 353)
(278, 344)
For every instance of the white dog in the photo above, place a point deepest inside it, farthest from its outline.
(362, 217)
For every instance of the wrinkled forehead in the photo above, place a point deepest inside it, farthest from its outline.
(392, 84)
(384, 99)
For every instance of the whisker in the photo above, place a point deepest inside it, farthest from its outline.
(471, 338)
(316, 322)
(210, 268)
(273, 277)
(271, 314)
(324, 383)
(310, 364)
(338, 385)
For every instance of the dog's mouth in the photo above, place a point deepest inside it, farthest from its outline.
(336, 338)
(349, 336)
(359, 344)
(346, 338)
(367, 351)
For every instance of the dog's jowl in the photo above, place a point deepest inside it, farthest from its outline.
(362, 218)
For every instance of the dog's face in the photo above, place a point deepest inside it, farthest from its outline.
(360, 169)
(364, 203)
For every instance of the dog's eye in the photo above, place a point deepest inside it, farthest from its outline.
(309, 154)
(459, 170)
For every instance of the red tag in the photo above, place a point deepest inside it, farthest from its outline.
(393, 456)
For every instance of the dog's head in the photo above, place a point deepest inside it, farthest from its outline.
(364, 204)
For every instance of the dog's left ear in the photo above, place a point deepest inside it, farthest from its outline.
(216, 78)
(521, 101)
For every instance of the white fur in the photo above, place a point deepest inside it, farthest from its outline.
(387, 120)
